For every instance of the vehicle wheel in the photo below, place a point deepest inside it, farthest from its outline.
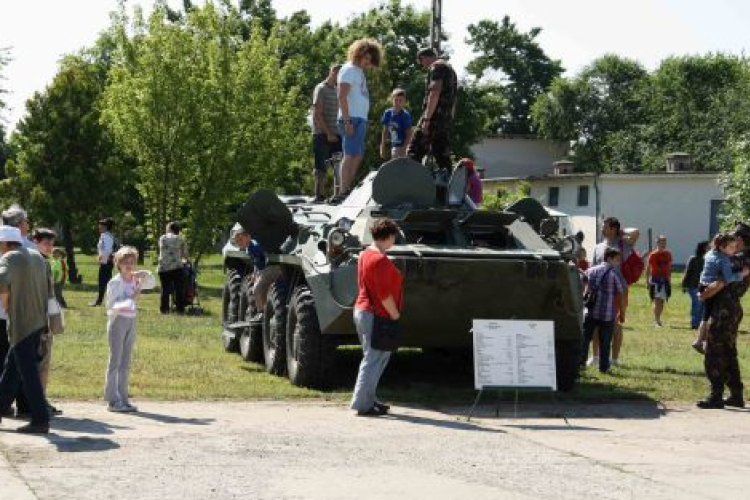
(251, 341)
(274, 328)
(309, 354)
(230, 299)
(567, 357)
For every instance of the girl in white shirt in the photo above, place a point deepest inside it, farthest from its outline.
(123, 292)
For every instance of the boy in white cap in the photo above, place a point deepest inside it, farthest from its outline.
(25, 289)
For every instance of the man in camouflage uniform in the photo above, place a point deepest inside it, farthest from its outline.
(432, 135)
(721, 364)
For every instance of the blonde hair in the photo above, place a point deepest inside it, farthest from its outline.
(126, 251)
(363, 47)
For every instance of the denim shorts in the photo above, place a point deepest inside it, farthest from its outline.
(354, 144)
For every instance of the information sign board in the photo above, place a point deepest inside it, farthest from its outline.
(513, 353)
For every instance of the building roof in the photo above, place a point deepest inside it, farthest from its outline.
(621, 176)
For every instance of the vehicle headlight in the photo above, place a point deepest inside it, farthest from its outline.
(337, 238)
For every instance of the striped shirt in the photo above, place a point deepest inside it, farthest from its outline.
(607, 287)
(330, 102)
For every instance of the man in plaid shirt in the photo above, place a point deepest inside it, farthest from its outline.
(608, 285)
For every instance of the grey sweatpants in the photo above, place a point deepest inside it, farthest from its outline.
(372, 366)
(121, 333)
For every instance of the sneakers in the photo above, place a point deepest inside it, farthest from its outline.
(711, 403)
(593, 361)
(117, 407)
(614, 362)
(122, 407)
(698, 346)
(658, 324)
(129, 408)
(375, 411)
(34, 429)
(735, 401)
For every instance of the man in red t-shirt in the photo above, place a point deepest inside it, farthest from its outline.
(659, 275)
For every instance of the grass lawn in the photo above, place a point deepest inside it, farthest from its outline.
(181, 358)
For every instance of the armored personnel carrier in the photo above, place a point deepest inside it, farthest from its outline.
(458, 263)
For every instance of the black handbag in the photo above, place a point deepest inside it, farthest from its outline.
(386, 334)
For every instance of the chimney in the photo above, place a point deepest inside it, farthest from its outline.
(562, 167)
(679, 162)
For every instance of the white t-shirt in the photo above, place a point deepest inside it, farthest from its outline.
(359, 97)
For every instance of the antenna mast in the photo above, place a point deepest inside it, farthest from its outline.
(435, 28)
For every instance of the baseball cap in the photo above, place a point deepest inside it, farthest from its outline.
(10, 234)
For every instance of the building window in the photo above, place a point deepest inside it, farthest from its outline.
(583, 196)
(554, 196)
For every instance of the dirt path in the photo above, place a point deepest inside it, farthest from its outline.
(276, 450)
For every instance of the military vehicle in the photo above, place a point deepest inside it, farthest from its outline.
(458, 263)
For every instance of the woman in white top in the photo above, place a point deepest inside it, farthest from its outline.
(173, 253)
(354, 105)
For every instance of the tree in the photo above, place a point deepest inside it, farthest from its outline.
(737, 186)
(603, 111)
(525, 71)
(204, 115)
(67, 171)
(699, 105)
(4, 148)
(620, 117)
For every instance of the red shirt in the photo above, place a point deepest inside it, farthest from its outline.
(378, 279)
(660, 264)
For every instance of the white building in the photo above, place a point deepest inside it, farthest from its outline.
(516, 155)
(682, 205)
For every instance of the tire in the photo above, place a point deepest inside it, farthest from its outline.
(274, 328)
(251, 341)
(567, 357)
(309, 354)
(230, 310)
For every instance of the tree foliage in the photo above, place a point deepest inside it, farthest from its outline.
(67, 170)
(620, 117)
(525, 70)
(602, 110)
(203, 114)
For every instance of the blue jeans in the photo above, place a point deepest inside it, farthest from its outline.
(22, 365)
(696, 308)
(606, 329)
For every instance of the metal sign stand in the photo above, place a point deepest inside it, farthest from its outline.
(500, 390)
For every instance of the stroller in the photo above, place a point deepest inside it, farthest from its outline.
(192, 301)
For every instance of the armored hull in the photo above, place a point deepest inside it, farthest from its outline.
(458, 264)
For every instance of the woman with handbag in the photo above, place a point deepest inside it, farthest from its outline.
(376, 314)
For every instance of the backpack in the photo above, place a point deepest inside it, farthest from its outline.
(592, 294)
(632, 268)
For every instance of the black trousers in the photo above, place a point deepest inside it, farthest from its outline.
(21, 404)
(22, 366)
(172, 283)
(105, 274)
(437, 143)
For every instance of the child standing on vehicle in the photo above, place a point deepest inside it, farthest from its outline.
(122, 296)
(59, 273)
(396, 125)
(717, 265)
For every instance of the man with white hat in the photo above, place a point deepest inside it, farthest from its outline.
(25, 288)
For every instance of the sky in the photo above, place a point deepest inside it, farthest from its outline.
(40, 32)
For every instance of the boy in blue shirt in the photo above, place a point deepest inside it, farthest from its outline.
(396, 125)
